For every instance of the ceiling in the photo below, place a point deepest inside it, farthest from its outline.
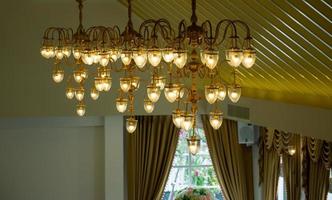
(292, 39)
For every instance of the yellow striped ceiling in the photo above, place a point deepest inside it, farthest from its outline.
(292, 39)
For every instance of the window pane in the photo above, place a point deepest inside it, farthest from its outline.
(201, 160)
(181, 160)
(203, 176)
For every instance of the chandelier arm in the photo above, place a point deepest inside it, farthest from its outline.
(182, 25)
(159, 23)
(144, 24)
(229, 24)
(248, 36)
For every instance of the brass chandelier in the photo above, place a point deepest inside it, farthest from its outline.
(171, 56)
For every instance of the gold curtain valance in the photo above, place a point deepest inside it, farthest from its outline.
(317, 150)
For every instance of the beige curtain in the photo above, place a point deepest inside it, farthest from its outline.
(227, 157)
(316, 168)
(150, 154)
(292, 169)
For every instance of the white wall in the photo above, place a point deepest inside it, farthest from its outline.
(47, 160)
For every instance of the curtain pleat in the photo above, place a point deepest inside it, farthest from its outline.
(227, 158)
(270, 174)
(292, 170)
(150, 154)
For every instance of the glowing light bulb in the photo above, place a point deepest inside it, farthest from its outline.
(58, 53)
(79, 94)
(180, 59)
(131, 125)
(211, 93)
(291, 150)
(77, 53)
(194, 144)
(249, 58)
(80, 109)
(154, 56)
(188, 122)
(114, 55)
(47, 52)
(107, 84)
(96, 57)
(177, 117)
(211, 58)
(126, 57)
(134, 82)
(222, 92)
(234, 57)
(121, 104)
(66, 51)
(168, 55)
(172, 92)
(148, 106)
(153, 93)
(99, 84)
(104, 59)
(234, 93)
(125, 84)
(140, 57)
(70, 93)
(216, 119)
(77, 76)
(87, 58)
(58, 75)
(94, 93)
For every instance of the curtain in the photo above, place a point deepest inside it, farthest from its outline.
(273, 145)
(292, 169)
(150, 154)
(227, 158)
(316, 168)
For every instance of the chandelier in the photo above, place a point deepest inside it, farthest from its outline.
(190, 54)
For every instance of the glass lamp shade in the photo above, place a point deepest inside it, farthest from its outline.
(148, 106)
(77, 76)
(131, 125)
(79, 94)
(121, 104)
(140, 57)
(114, 55)
(188, 122)
(202, 56)
(99, 84)
(66, 51)
(126, 57)
(177, 117)
(154, 56)
(134, 82)
(222, 92)
(58, 75)
(234, 93)
(47, 52)
(168, 55)
(249, 58)
(211, 58)
(160, 81)
(77, 53)
(211, 93)
(59, 53)
(172, 92)
(125, 84)
(234, 57)
(180, 59)
(291, 150)
(216, 119)
(107, 84)
(94, 93)
(70, 93)
(80, 109)
(153, 92)
(194, 144)
(87, 58)
(96, 57)
(104, 59)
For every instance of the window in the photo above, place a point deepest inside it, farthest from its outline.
(191, 171)
(329, 194)
(281, 192)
